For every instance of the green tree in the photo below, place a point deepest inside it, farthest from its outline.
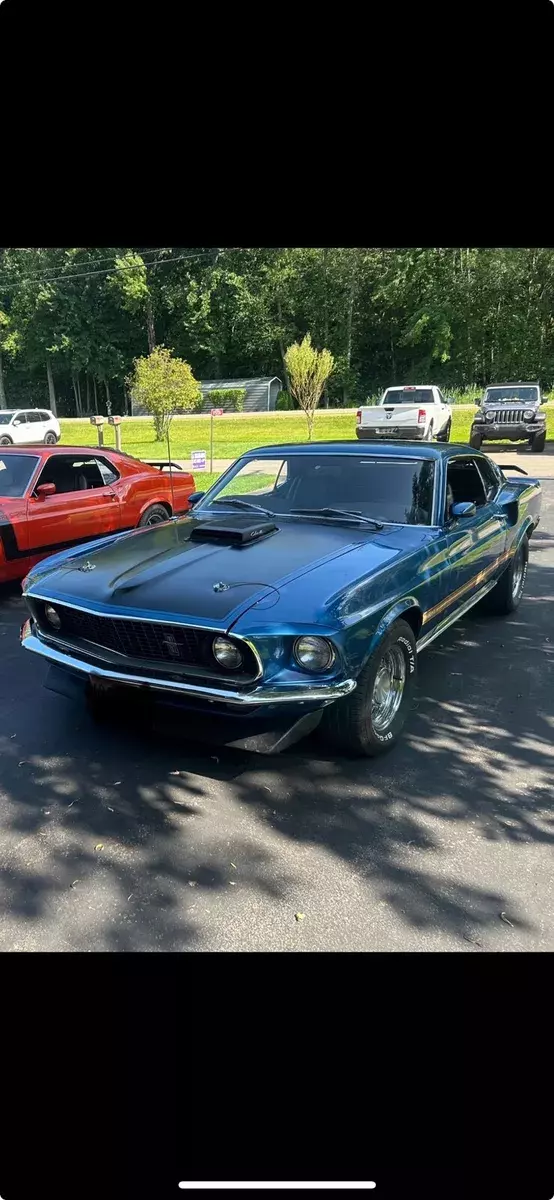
(308, 370)
(163, 385)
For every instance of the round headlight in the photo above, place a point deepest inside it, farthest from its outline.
(313, 653)
(528, 414)
(52, 616)
(226, 653)
(489, 414)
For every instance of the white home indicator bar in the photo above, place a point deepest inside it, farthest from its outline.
(278, 1185)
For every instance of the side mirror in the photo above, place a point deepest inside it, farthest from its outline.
(45, 490)
(16, 422)
(195, 497)
(544, 399)
(465, 508)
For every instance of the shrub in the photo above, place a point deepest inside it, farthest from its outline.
(284, 402)
(163, 385)
(228, 398)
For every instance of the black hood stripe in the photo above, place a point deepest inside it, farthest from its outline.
(13, 552)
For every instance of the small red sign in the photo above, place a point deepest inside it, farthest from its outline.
(216, 412)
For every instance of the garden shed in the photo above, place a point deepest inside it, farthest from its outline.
(261, 394)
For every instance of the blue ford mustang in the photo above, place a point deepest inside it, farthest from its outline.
(298, 592)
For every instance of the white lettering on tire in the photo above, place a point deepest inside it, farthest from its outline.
(411, 656)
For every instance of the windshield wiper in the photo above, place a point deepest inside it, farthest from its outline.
(336, 512)
(243, 504)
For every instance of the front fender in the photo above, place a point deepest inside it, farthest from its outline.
(397, 610)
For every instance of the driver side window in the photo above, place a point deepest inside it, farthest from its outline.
(464, 483)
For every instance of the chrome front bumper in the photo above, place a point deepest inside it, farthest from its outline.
(392, 432)
(297, 694)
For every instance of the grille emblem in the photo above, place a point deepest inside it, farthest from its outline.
(87, 566)
(172, 644)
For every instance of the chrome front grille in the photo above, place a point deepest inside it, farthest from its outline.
(154, 641)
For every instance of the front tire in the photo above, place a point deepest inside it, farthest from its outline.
(50, 438)
(475, 440)
(154, 515)
(538, 442)
(5, 440)
(506, 595)
(369, 721)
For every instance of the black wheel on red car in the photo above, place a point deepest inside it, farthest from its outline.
(50, 438)
(153, 516)
(5, 440)
(370, 720)
(506, 594)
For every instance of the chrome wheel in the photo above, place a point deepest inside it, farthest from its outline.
(156, 519)
(518, 574)
(388, 689)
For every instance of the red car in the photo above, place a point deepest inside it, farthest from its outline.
(52, 497)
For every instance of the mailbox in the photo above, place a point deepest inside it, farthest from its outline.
(98, 422)
(116, 422)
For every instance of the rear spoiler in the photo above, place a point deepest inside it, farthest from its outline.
(156, 462)
(511, 467)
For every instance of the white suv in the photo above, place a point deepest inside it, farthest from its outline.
(25, 426)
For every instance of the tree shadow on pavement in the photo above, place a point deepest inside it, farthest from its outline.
(110, 839)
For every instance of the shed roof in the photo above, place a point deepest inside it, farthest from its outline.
(237, 383)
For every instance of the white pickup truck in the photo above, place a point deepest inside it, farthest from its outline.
(406, 413)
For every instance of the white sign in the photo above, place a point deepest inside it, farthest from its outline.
(198, 460)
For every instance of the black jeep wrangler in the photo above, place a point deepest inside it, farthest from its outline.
(510, 412)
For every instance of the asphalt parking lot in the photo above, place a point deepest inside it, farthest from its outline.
(112, 841)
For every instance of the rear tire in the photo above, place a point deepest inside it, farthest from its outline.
(538, 442)
(370, 720)
(475, 440)
(154, 515)
(506, 595)
(50, 438)
(5, 440)
(445, 435)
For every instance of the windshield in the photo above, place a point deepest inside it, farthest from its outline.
(496, 395)
(15, 473)
(412, 395)
(5, 417)
(385, 489)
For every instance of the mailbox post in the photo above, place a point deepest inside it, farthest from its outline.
(99, 422)
(117, 423)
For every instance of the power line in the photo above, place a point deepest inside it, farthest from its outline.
(93, 261)
(6, 286)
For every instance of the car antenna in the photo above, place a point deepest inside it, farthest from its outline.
(170, 468)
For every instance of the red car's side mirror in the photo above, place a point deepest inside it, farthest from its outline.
(45, 489)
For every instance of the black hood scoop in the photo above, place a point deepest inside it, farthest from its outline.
(232, 532)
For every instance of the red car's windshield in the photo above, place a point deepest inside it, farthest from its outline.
(15, 473)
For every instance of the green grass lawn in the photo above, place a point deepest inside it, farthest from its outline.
(235, 435)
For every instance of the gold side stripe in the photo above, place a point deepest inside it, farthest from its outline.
(467, 587)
